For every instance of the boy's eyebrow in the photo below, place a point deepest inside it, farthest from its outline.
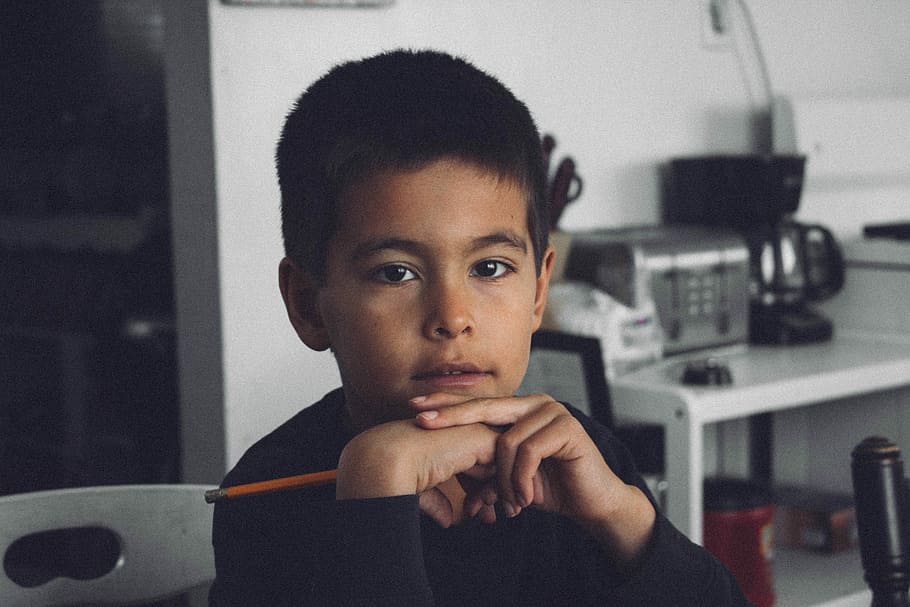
(506, 237)
(373, 247)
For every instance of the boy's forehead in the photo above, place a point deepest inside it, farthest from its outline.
(446, 196)
(466, 172)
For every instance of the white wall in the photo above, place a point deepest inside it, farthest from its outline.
(622, 84)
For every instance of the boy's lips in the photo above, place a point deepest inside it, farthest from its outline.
(450, 376)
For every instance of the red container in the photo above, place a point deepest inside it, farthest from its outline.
(738, 530)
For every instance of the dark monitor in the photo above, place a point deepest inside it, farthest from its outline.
(569, 368)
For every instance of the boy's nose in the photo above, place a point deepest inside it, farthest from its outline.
(449, 313)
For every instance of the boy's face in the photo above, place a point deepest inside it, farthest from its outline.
(430, 286)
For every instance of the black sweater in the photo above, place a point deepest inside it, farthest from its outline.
(303, 547)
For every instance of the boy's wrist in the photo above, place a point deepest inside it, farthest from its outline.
(626, 527)
(366, 472)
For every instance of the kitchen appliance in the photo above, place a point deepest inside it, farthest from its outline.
(737, 191)
(874, 298)
(697, 277)
(791, 264)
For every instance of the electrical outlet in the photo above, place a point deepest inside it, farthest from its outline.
(715, 23)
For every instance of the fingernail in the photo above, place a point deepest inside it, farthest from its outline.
(418, 399)
(428, 415)
(509, 509)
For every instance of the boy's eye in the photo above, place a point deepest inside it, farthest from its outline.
(490, 268)
(394, 273)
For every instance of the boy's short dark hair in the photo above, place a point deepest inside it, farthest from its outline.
(399, 110)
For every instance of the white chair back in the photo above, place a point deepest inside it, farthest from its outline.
(159, 535)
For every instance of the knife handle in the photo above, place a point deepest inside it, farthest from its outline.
(559, 189)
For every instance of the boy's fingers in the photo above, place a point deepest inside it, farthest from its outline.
(479, 499)
(468, 451)
(534, 429)
(519, 452)
(477, 474)
(487, 514)
(554, 442)
(540, 428)
(437, 506)
(436, 400)
(439, 411)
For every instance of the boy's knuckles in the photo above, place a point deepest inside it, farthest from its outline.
(555, 408)
(528, 458)
(509, 442)
(565, 423)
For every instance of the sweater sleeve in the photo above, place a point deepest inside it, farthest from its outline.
(349, 552)
(675, 570)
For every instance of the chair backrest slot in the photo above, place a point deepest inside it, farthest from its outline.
(79, 553)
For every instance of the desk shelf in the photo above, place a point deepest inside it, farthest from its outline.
(819, 580)
(766, 379)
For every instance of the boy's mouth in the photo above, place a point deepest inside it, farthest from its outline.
(449, 376)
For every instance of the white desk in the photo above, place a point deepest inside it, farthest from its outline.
(765, 379)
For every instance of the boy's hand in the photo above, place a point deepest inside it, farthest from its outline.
(401, 458)
(546, 459)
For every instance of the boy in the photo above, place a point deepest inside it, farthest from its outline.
(413, 215)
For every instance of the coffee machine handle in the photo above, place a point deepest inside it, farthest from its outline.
(823, 262)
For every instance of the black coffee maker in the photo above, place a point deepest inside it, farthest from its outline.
(792, 264)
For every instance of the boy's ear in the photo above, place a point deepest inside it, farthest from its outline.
(300, 292)
(543, 285)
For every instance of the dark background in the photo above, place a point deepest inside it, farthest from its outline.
(88, 389)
